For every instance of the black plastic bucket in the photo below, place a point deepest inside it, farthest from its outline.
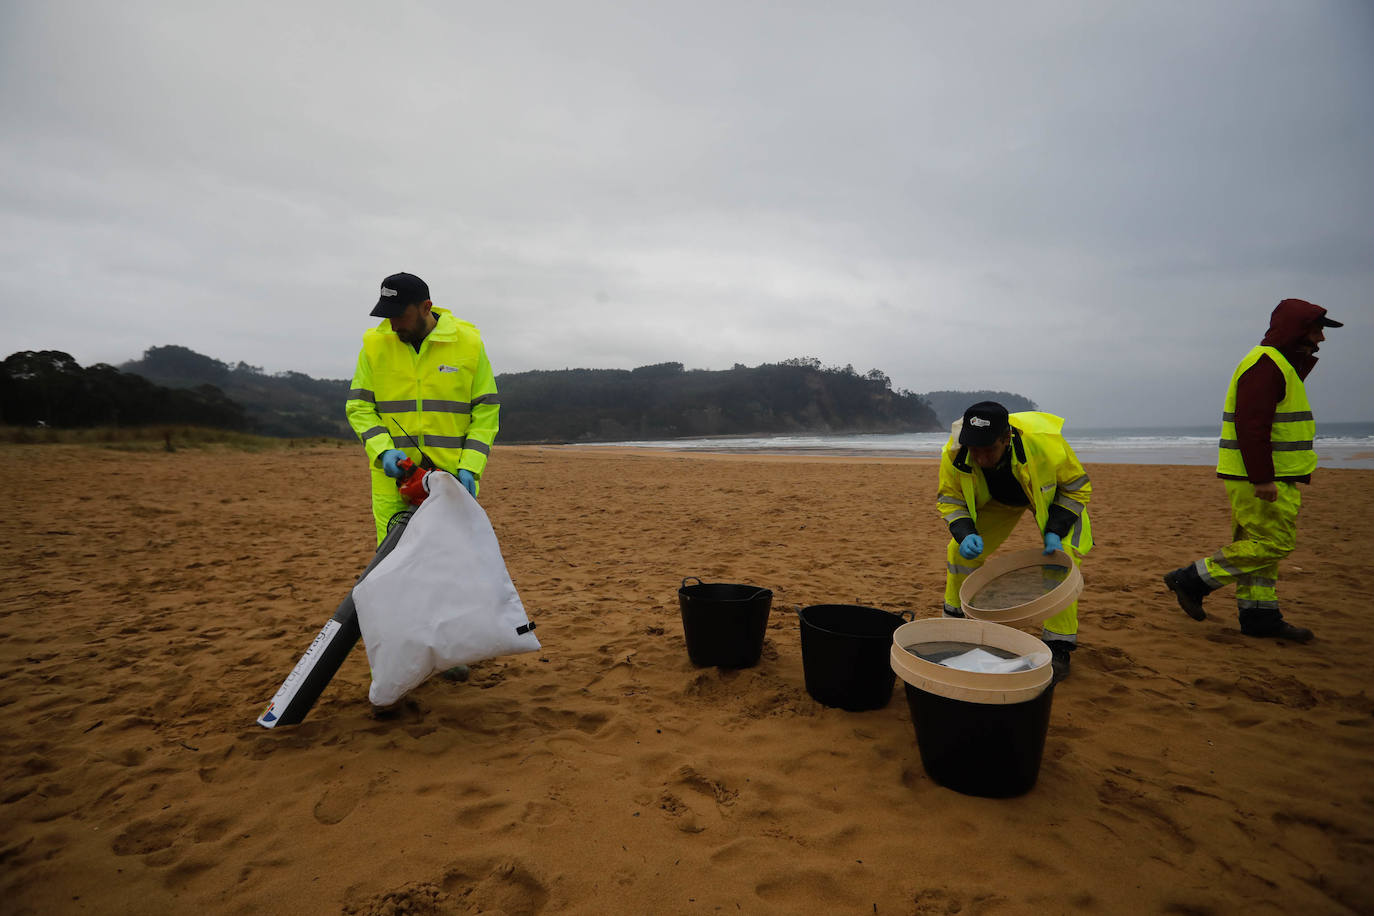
(977, 748)
(724, 623)
(979, 732)
(845, 650)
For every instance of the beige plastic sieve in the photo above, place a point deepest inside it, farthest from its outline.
(976, 592)
(971, 686)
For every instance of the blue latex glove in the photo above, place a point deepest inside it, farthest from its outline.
(469, 482)
(971, 546)
(391, 461)
(1052, 542)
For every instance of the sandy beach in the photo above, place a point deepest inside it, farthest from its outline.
(153, 602)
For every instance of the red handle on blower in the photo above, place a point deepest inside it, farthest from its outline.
(411, 483)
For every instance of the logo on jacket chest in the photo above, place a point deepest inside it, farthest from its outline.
(445, 367)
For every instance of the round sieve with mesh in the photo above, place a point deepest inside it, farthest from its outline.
(1021, 588)
(917, 645)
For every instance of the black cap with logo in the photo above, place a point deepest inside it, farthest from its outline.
(984, 424)
(399, 291)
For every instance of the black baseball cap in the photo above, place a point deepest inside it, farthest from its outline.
(1311, 313)
(984, 424)
(399, 291)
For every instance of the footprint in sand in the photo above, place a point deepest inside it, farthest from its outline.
(690, 814)
(800, 891)
(1134, 806)
(495, 886)
(481, 814)
(541, 813)
(691, 779)
(1282, 691)
(338, 802)
(674, 807)
(149, 835)
(938, 900)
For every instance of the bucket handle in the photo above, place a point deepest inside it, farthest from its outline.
(907, 615)
(761, 591)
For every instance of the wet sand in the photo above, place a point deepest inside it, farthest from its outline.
(153, 602)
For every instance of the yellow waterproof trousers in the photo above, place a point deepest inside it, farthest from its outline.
(386, 501)
(1262, 534)
(995, 523)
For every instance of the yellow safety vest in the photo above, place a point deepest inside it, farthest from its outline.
(441, 400)
(1291, 438)
(1045, 466)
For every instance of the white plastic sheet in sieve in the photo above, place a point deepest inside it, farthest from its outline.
(940, 650)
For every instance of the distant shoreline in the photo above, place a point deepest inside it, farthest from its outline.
(1345, 446)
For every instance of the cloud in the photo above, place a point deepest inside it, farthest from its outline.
(1092, 205)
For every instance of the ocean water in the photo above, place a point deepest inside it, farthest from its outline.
(1339, 445)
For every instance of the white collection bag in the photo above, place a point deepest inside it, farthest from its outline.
(981, 660)
(442, 597)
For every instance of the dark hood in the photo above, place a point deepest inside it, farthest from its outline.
(1289, 323)
(1292, 318)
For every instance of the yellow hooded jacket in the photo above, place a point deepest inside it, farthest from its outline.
(443, 397)
(1042, 462)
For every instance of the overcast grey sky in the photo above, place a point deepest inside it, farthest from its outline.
(1093, 204)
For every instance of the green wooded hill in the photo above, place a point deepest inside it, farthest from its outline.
(666, 401)
(569, 405)
(290, 404)
(950, 405)
(49, 388)
(173, 384)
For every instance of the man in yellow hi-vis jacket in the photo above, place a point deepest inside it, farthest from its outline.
(994, 467)
(422, 389)
(1265, 451)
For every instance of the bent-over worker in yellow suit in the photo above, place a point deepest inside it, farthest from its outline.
(994, 467)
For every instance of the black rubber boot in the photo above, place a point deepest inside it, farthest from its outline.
(1284, 630)
(1189, 589)
(1061, 652)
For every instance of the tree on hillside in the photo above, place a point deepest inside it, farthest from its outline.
(665, 401)
(950, 405)
(51, 388)
(180, 363)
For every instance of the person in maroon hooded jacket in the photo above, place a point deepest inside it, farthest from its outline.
(1264, 453)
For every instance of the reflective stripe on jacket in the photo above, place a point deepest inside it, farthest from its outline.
(1043, 463)
(1291, 436)
(441, 400)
